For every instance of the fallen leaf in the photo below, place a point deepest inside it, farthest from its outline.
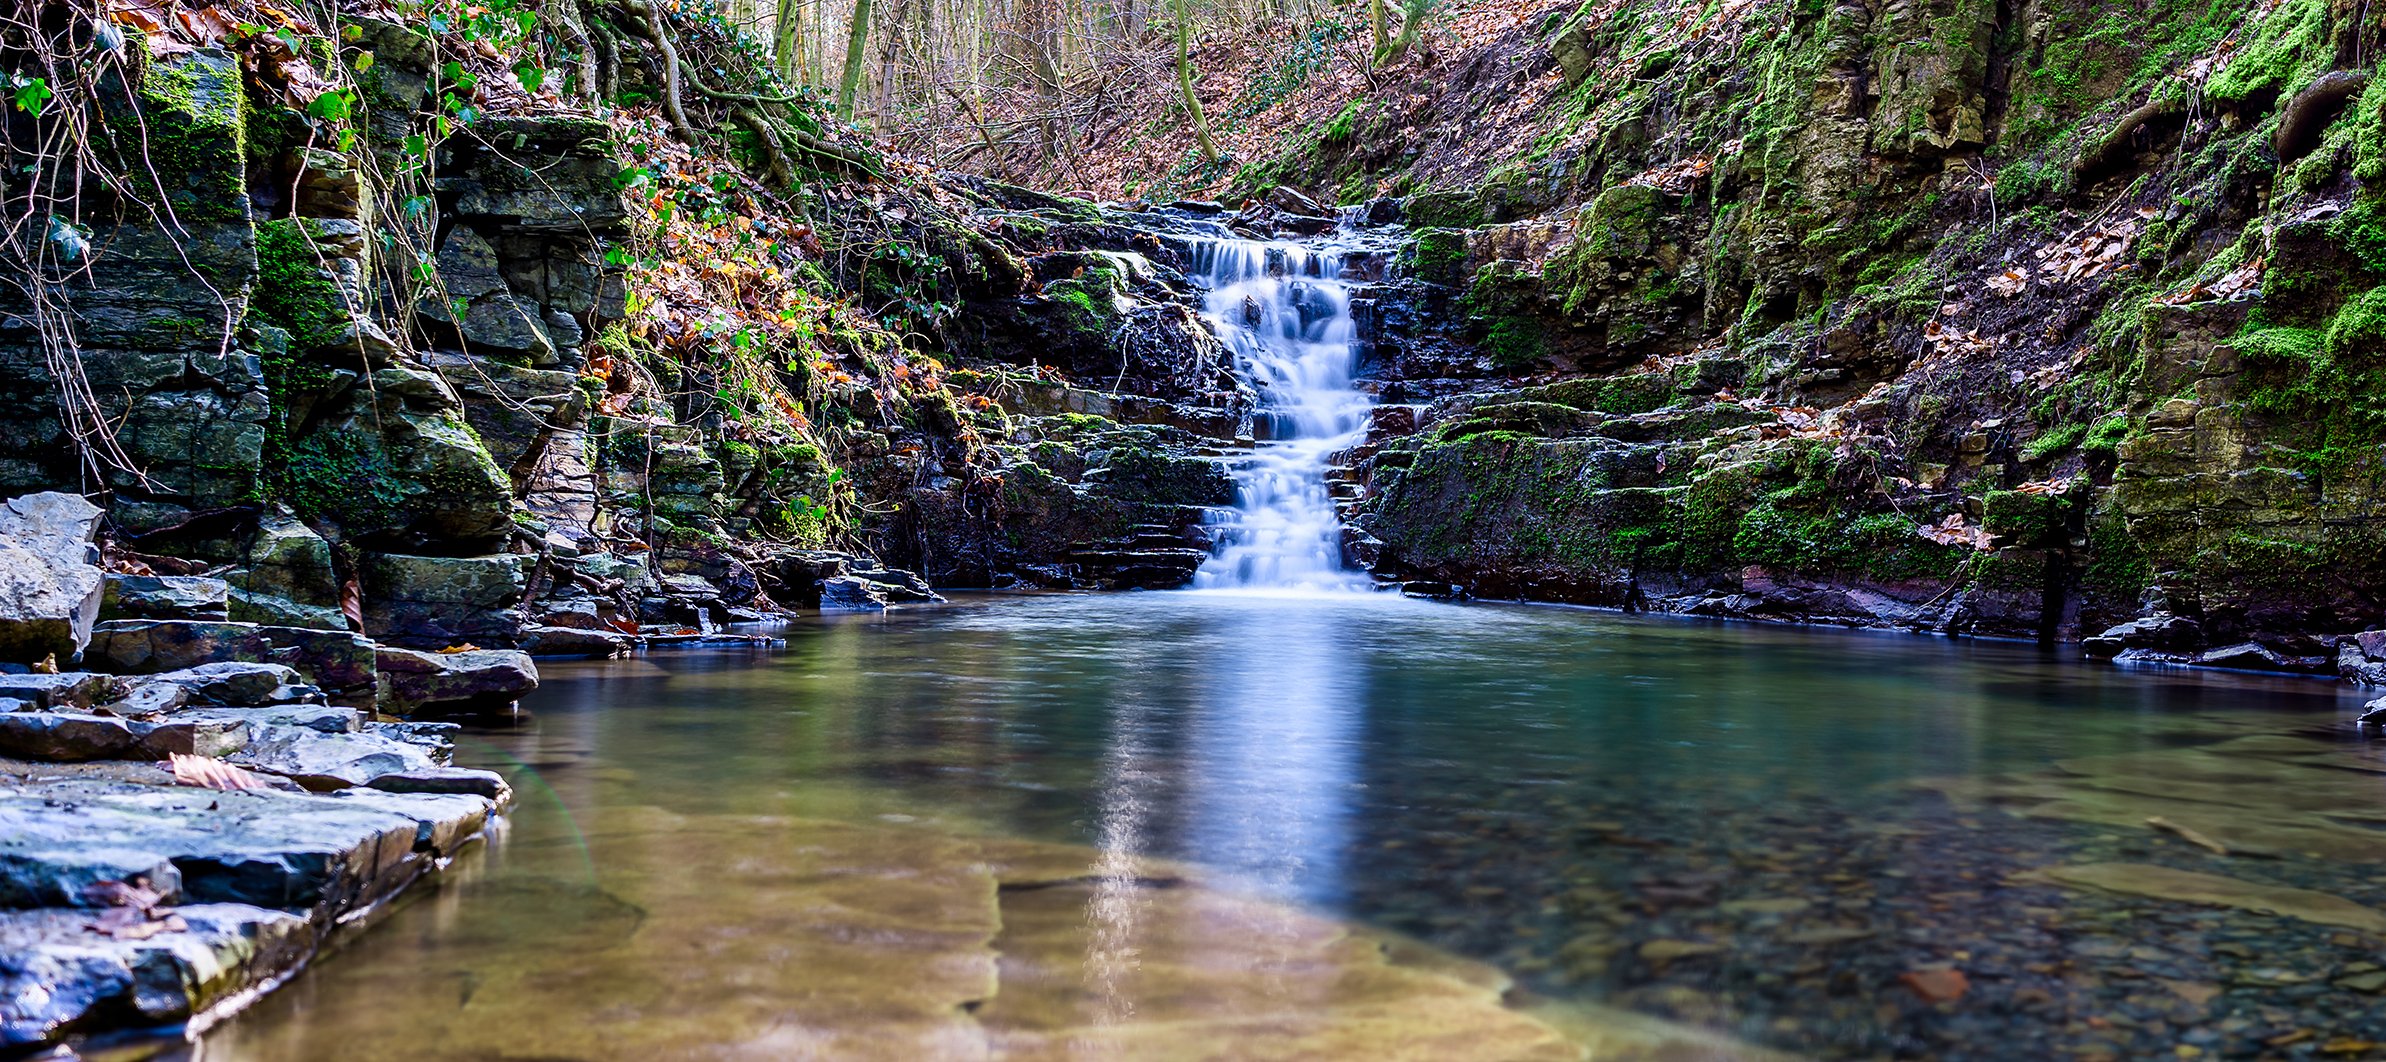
(207, 772)
(135, 894)
(464, 648)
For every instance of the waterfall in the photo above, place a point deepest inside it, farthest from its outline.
(1284, 309)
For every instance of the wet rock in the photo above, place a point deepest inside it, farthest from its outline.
(324, 762)
(849, 593)
(276, 611)
(2187, 886)
(321, 718)
(2372, 644)
(73, 689)
(237, 683)
(292, 851)
(191, 597)
(578, 642)
(464, 780)
(466, 682)
(436, 602)
(71, 737)
(2251, 656)
(339, 661)
(63, 977)
(50, 584)
(897, 585)
(2162, 632)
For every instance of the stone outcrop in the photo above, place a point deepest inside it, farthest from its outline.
(198, 897)
(50, 583)
(467, 682)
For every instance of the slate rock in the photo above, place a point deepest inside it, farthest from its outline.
(851, 593)
(165, 597)
(575, 642)
(464, 780)
(333, 660)
(234, 682)
(477, 680)
(71, 689)
(50, 581)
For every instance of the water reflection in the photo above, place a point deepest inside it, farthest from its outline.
(1718, 824)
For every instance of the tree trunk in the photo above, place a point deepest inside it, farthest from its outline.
(857, 42)
(1375, 26)
(1412, 23)
(787, 44)
(1184, 79)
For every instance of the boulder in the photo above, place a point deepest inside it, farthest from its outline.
(2372, 644)
(323, 762)
(465, 780)
(436, 602)
(165, 597)
(340, 661)
(73, 689)
(2161, 632)
(2252, 656)
(74, 737)
(467, 682)
(851, 593)
(50, 580)
(897, 585)
(575, 642)
(276, 611)
(238, 683)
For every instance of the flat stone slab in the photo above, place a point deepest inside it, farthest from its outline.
(250, 884)
(61, 971)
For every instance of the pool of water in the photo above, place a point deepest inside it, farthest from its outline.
(1828, 843)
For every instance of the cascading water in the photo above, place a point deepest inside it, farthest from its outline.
(1284, 309)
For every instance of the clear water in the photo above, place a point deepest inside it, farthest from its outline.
(1284, 309)
(1567, 794)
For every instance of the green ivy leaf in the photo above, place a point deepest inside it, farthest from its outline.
(33, 93)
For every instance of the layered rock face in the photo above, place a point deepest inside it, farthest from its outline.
(269, 385)
(2031, 320)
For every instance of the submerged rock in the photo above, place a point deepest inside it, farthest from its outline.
(2187, 886)
(50, 580)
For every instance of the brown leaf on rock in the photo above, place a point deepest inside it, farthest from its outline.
(135, 894)
(207, 772)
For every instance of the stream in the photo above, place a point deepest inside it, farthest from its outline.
(1834, 844)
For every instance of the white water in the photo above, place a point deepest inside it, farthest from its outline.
(1284, 310)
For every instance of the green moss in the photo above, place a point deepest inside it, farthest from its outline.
(2326, 387)
(2023, 519)
(2289, 47)
(193, 117)
(1088, 302)
(2054, 442)
(2117, 566)
(1437, 255)
(2104, 437)
(294, 291)
(1621, 395)
(342, 476)
(1443, 210)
